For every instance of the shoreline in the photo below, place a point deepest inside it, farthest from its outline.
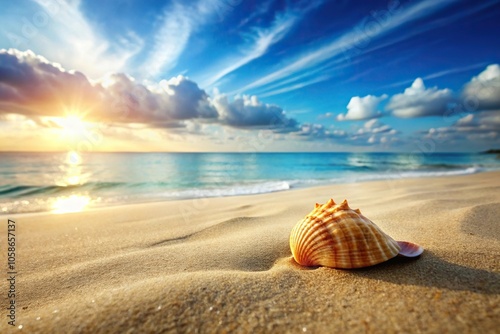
(158, 200)
(224, 264)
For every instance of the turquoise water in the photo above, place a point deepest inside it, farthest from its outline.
(61, 182)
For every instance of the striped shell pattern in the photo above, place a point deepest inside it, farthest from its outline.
(339, 237)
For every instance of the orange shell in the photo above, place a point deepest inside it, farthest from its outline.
(337, 236)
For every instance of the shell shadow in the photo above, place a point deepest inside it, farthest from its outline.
(431, 271)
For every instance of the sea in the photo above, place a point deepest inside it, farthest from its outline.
(73, 181)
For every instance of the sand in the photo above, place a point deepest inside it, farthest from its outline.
(224, 265)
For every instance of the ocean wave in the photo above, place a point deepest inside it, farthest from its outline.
(28, 190)
(274, 186)
(433, 173)
(443, 166)
(15, 199)
(20, 191)
(404, 174)
(234, 190)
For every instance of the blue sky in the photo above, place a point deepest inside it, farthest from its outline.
(215, 75)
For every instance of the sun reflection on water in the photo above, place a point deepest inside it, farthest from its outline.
(71, 175)
(71, 171)
(73, 158)
(73, 203)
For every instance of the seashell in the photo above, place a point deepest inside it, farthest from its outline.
(339, 237)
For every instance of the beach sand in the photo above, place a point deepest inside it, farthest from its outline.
(224, 265)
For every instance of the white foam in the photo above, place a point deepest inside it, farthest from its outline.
(353, 178)
(245, 189)
(236, 190)
(273, 186)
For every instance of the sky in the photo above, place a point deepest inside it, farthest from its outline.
(249, 76)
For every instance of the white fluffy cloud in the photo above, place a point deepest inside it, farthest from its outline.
(360, 108)
(419, 101)
(480, 94)
(483, 91)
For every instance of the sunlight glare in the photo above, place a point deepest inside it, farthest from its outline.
(72, 126)
(73, 203)
(73, 158)
(73, 180)
(71, 171)
(72, 123)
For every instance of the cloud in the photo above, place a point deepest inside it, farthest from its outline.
(375, 126)
(260, 39)
(306, 83)
(482, 127)
(261, 9)
(455, 70)
(483, 122)
(249, 112)
(35, 93)
(418, 101)
(483, 91)
(161, 105)
(257, 45)
(341, 47)
(178, 22)
(30, 85)
(60, 31)
(374, 132)
(170, 40)
(311, 131)
(362, 108)
(439, 74)
(326, 115)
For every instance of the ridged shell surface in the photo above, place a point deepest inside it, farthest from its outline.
(336, 236)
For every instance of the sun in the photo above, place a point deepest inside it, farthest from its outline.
(72, 126)
(73, 123)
